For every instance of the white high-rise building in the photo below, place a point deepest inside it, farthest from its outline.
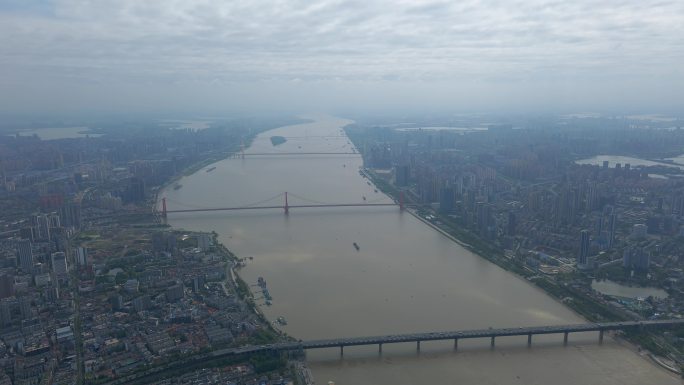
(59, 264)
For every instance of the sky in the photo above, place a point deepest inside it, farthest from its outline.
(204, 56)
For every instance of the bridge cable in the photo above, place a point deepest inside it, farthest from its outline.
(263, 201)
(189, 205)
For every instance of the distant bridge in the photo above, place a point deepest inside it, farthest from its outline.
(242, 155)
(285, 206)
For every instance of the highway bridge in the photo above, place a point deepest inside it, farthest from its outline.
(490, 333)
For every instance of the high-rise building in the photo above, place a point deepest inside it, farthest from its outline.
(612, 223)
(198, 283)
(25, 308)
(203, 241)
(402, 175)
(511, 224)
(163, 241)
(638, 231)
(59, 264)
(592, 199)
(27, 233)
(6, 286)
(583, 255)
(81, 256)
(5, 312)
(136, 190)
(43, 226)
(446, 200)
(70, 214)
(54, 221)
(25, 255)
(51, 293)
(175, 292)
(142, 303)
(636, 258)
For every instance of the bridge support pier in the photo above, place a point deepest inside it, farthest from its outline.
(529, 340)
(287, 206)
(379, 348)
(565, 338)
(600, 336)
(341, 350)
(455, 343)
(492, 343)
(417, 346)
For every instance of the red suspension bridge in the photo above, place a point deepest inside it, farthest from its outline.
(246, 154)
(285, 206)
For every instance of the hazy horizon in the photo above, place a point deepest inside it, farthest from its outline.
(202, 57)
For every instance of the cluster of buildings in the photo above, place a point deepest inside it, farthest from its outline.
(92, 286)
(159, 303)
(528, 191)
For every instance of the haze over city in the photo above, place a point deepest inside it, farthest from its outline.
(71, 56)
(341, 192)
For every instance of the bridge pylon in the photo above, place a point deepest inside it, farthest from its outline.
(164, 208)
(287, 207)
(401, 200)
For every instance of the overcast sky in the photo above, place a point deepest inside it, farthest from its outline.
(209, 55)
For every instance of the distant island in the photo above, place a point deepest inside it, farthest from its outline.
(277, 140)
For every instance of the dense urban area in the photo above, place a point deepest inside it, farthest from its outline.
(96, 288)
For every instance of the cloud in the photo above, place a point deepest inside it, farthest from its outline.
(114, 45)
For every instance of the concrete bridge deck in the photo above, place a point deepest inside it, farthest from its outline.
(456, 335)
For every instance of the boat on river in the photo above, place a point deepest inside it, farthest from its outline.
(177, 186)
(356, 246)
(211, 169)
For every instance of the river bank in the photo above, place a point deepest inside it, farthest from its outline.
(300, 371)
